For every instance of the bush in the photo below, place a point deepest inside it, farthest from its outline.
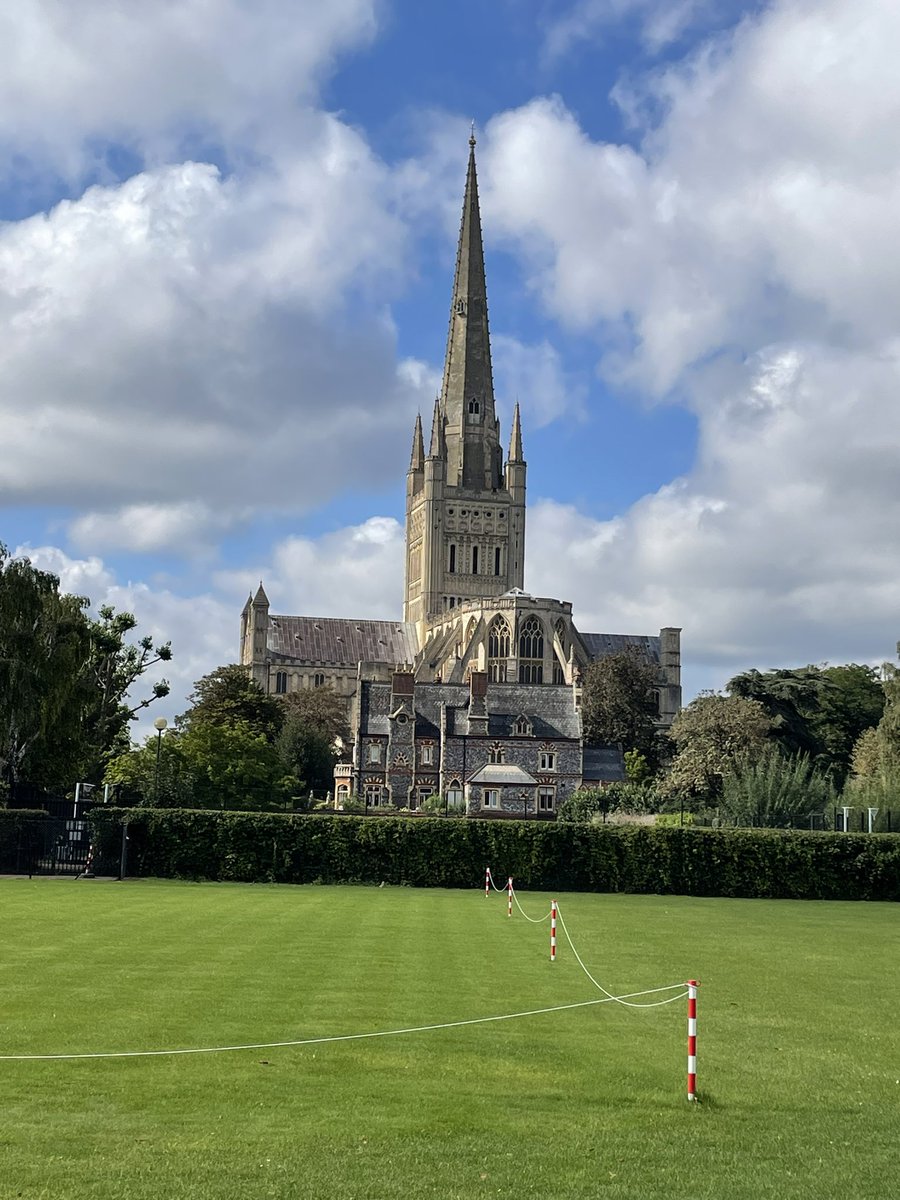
(283, 848)
(21, 837)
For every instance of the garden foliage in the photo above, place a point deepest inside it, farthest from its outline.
(282, 848)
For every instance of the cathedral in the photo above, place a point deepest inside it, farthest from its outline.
(474, 696)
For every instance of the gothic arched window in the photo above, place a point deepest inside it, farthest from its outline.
(499, 638)
(474, 407)
(281, 682)
(531, 651)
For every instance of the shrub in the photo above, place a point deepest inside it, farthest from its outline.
(284, 848)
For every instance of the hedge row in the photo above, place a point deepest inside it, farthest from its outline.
(278, 848)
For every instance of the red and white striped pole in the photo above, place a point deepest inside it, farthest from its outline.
(487, 882)
(553, 931)
(509, 896)
(692, 986)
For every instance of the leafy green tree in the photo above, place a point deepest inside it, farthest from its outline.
(711, 734)
(774, 790)
(235, 766)
(65, 679)
(114, 667)
(584, 805)
(816, 711)
(851, 702)
(307, 753)
(44, 644)
(228, 696)
(321, 709)
(134, 774)
(618, 703)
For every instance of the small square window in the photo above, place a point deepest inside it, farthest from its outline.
(374, 753)
(546, 799)
(491, 797)
(547, 760)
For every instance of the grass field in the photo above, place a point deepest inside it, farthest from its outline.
(799, 1046)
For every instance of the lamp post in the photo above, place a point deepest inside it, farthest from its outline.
(159, 725)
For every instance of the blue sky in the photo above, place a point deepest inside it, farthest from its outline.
(225, 267)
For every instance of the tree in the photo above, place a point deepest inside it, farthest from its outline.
(307, 753)
(816, 711)
(134, 774)
(44, 644)
(64, 679)
(229, 695)
(711, 734)
(618, 703)
(235, 766)
(114, 668)
(774, 790)
(321, 709)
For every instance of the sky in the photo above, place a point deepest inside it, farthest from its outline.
(227, 236)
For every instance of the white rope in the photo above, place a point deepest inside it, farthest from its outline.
(318, 1041)
(623, 1000)
(493, 885)
(533, 920)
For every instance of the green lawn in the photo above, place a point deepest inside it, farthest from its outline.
(799, 1046)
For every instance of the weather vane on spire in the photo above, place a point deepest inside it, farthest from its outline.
(472, 133)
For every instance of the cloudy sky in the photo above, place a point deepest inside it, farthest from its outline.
(227, 234)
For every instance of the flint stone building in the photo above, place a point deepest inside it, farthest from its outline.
(475, 695)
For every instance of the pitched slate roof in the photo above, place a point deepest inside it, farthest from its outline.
(603, 764)
(333, 641)
(503, 773)
(550, 709)
(602, 645)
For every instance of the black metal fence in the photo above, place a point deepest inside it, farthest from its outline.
(856, 820)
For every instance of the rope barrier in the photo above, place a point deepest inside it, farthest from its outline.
(319, 1041)
(599, 986)
(490, 878)
(533, 920)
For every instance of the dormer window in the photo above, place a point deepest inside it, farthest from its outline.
(522, 727)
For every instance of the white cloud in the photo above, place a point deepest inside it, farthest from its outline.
(535, 376)
(76, 77)
(743, 259)
(181, 342)
(356, 571)
(587, 21)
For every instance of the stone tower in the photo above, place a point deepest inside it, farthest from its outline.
(465, 513)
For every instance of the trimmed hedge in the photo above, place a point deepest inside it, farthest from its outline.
(21, 836)
(280, 848)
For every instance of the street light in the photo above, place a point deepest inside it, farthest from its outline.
(159, 725)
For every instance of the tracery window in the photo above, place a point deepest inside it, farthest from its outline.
(281, 682)
(499, 638)
(531, 651)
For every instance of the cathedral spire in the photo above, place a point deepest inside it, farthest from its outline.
(417, 458)
(467, 394)
(437, 431)
(515, 441)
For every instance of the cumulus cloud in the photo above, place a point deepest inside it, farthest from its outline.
(356, 571)
(181, 340)
(75, 78)
(587, 21)
(740, 258)
(535, 376)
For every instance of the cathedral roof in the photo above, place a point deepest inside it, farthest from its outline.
(336, 641)
(602, 645)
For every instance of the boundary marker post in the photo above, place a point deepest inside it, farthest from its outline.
(487, 882)
(692, 986)
(509, 896)
(553, 931)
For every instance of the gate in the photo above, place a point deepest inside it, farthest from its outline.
(56, 842)
(61, 847)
